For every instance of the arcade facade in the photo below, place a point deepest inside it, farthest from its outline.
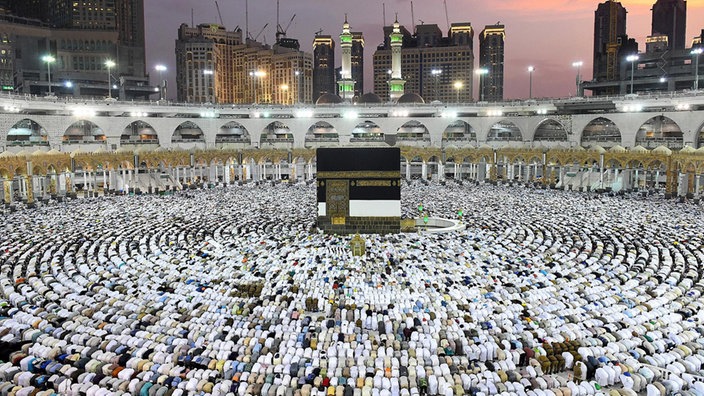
(55, 148)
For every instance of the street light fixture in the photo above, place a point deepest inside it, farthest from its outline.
(256, 75)
(531, 69)
(284, 88)
(632, 59)
(696, 52)
(209, 72)
(436, 73)
(49, 60)
(299, 86)
(458, 86)
(578, 65)
(482, 72)
(109, 64)
(162, 86)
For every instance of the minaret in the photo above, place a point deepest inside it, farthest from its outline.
(346, 83)
(396, 83)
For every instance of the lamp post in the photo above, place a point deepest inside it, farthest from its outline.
(696, 52)
(436, 73)
(458, 86)
(256, 75)
(298, 75)
(531, 69)
(632, 59)
(209, 73)
(578, 65)
(284, 88)
(109, 64)
(161, 69)
(482, 72)
(49, 60)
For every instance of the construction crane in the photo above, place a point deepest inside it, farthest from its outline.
(219, 14)
(447, 16)
(319, 32)
(280, 31)
(613, 45)
(255, 38)
(413, 19)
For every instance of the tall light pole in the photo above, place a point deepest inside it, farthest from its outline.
(482, 72)
(284, 88)
(256, 75)
(298, 75)
(49, 60)
(578, 65)
(531, 69)
(209, 73)
(436, 73)
(109, 64)
(162, 86)
(696, 52)
(458, 86)
(632, 59)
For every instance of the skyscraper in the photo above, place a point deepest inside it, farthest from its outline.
(491, 59)
(214, 65)
(602, 35)
(81, 36)
(32, 9)
(358, 62)
(204, 63)
(429, 71)
(131, 57)
(323, 66)
(670, 18)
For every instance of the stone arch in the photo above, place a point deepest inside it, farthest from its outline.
(504, 131)
(27, 132)
(635, 164)
(700, 137)
(459, 131)
(139, 132)
(601, 131)
(84, 131)
(660, 131)
(188, 132)
(233, 132)
(322, 131)
(550, 130)
(367, 130)
(276, 131)
(413, 130)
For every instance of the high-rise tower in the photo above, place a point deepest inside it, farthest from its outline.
(604, 22)
(323, 66)
(670, 19)
(358, 62)
(346, 83)
(396, 83)
(491, 59)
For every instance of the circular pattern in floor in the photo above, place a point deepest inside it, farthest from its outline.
(233, 291)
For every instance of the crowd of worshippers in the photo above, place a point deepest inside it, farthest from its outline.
(232, 291)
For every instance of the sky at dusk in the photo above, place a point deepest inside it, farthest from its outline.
(547, 34)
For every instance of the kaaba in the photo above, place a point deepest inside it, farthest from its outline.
(359, 190)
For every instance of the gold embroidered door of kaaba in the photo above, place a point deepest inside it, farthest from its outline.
(337, 200)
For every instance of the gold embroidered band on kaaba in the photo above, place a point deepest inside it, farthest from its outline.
(358, 174)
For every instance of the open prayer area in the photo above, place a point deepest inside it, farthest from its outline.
(233, 291)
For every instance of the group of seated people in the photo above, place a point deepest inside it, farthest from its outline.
(233, 291)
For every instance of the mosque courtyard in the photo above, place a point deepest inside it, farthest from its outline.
(233, 291)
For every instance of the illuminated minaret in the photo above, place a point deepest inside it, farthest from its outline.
(396, 83)
(346, 83)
